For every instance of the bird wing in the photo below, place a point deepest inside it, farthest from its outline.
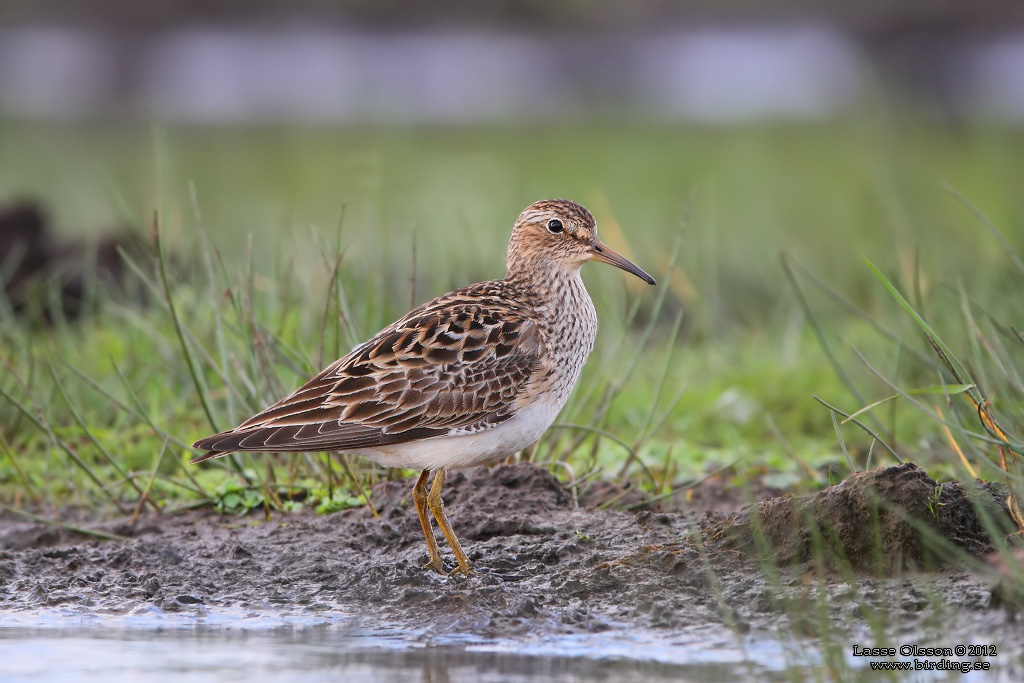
(456, 365)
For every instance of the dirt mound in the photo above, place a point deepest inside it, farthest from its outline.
(884, 519)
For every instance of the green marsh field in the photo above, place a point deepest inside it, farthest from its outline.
(282, 248)
(832, 299)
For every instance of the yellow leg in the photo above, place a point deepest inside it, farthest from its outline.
(419, 496)
(436, 506)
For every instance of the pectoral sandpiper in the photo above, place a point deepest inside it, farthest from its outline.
(469, 378)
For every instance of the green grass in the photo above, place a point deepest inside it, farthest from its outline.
(805, 274)
(718, 365)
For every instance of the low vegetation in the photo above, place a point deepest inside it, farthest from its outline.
(833, 299)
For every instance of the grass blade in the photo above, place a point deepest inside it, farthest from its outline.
(943, 389)
(1014, 256)
(862, 426)
(200, 386)
(818, 331)
(88, 432)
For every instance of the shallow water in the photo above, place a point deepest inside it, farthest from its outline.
(298, 644)
(64, 645)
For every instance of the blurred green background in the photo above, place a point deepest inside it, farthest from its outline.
(716, 367)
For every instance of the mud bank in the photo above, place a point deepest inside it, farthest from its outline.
(883, 520)
(545, 567)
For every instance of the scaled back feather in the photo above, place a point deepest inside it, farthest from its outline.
(455, 365)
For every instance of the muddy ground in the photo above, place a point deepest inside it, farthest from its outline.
(545, 566)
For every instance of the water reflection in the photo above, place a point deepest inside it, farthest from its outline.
(46, 646)
(314, 654)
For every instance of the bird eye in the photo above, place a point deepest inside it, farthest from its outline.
(555, 226)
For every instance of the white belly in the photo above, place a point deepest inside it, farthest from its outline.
(467, 450)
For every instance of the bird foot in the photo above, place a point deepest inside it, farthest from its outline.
(437, 564)
(465, 570)
(447, 568)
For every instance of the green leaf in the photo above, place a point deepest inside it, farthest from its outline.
(944, 389)
(253, 498)
(340, 501)
(230, 502)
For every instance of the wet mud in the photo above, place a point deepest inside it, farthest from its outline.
(545, 565)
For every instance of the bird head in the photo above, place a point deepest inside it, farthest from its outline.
(562, 234)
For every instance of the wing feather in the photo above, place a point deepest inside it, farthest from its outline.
(457, 364)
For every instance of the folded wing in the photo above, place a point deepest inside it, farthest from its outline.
(453, 366)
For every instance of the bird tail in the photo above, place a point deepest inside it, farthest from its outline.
(215, 444)
(207, 456)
